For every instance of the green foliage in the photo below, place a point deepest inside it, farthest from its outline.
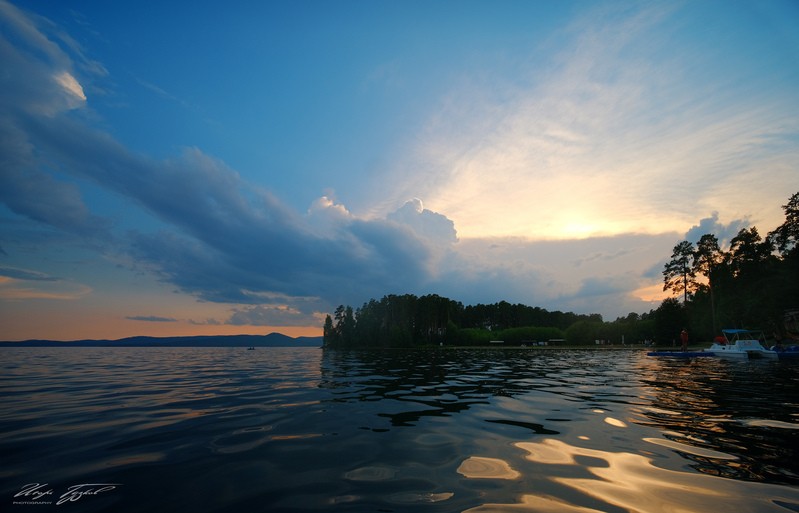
(472, 337)
(342, 333)
(584, 332)
(670, 318)
(527, 334)
(411, 321)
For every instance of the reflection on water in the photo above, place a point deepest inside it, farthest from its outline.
(540, 392)
(308, 430)
(444, 383)
(746, 409)
(630, 482)
(477, 467)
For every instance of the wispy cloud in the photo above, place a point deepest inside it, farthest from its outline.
(150, 318)
(26, 274)
(274, 315)
(627, 130)
(205, 322)
(71, 85)
(42, 86)
(21, 285)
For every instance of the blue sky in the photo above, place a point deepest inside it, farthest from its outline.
(175, 168)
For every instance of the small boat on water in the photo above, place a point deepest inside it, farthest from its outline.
(741, 345)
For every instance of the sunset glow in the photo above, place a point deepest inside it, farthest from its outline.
(311, 155)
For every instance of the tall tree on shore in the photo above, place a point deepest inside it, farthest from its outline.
(679, 275)
(328, 332)
(707, 259)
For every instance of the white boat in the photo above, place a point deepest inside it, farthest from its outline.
(741, 345)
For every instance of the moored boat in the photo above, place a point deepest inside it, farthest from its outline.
(741, 345)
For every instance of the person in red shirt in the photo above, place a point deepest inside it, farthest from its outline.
(684, 339)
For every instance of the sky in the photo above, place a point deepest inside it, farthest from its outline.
(194, 168)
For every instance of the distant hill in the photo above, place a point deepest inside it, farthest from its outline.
(271, 340)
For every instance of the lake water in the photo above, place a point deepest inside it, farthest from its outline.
(206, 430)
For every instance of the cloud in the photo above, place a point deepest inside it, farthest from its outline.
(21, 285)
(25, 274)
(606, 256)
(42, 86)
(39, 196)
(593, 287)
(555, 274)
(628, 129)
(711, 225)
(158, 91)
(44, 81)
(207, 322)
(274, 315)
(327, 218)
(429, 225)
(232, 245)
(70, 84)
(150, 318)
(311, 273)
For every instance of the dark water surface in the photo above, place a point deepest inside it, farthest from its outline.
(203, 430)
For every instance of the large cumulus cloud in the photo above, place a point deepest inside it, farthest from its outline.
(222, 239)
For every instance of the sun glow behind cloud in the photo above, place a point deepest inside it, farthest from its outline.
(614, 135)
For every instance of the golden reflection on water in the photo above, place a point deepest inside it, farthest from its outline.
(631, 482)
(534, 503)
(691, 449)
(770, 423)
(478, 467)
(615, 422)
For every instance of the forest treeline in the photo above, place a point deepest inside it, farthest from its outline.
(754, 282)
(409, 321)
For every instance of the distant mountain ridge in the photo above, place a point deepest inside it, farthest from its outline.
(271, 340)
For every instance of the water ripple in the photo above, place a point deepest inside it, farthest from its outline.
(221, 430)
